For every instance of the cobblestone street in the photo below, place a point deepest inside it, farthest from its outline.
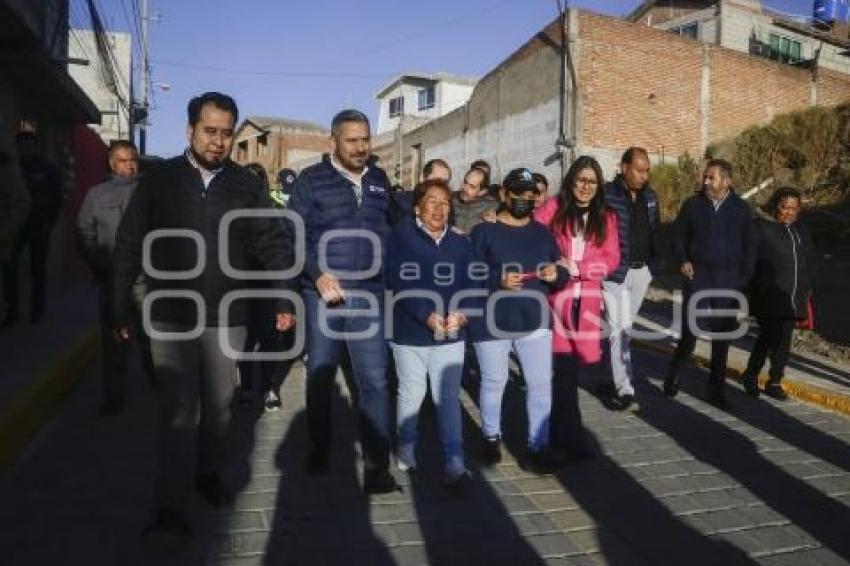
(674, 482)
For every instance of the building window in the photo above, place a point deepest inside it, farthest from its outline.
(396, 106)
(262, 145)
(426, 97)
(691, 31)
(785, 49)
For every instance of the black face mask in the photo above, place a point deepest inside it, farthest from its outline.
(521, 208)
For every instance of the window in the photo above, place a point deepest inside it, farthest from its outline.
(785, 49)
(690, 31)
(426, 97)
(396, 106)
(262, 145)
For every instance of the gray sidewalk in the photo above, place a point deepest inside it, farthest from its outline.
(675, 482)
(39, 363)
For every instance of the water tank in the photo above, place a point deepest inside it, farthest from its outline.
(829, 11)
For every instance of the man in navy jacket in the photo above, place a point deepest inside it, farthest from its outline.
(343, 201)
(715, 243)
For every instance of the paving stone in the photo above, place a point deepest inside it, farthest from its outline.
(556, 544)
(235, 544)
(553, 501)
(832, 484)
(571, 520)
(241, 521)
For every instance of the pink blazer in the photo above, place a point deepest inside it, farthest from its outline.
(583, 342)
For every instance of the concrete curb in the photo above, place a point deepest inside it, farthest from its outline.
(24, 413)
(795, 388)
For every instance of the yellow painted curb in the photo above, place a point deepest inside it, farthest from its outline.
(22, 415)
(793, 387)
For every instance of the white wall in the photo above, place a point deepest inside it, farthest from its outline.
(90, 78)
(448, 96)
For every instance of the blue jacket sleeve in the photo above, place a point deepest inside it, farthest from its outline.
(302, 203)
(681, 234)
(751, 246)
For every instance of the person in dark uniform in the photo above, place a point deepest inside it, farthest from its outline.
(43, 181)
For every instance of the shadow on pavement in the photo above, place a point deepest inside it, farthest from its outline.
(730, 452)
(470, 528)
(631, 522)
(324, 519)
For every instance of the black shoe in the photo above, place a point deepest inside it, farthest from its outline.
(168, 522)
(606, 390)
(671, 385)
(717, 397)
(751, 384)
(775, 390)
(545, 461)
(378, 481)
(10, 319)
(459, 484)
(111, 408)
(213, 490)
(621, 402)
(318, 463)
(491, 450)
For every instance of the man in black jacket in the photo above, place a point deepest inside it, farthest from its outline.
(715, 243)
(189, 196)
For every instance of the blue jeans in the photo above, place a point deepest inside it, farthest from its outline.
(368, 357)
(535, 356)
(441, 366)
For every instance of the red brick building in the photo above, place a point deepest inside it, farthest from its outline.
(626, 84)
(276, 143)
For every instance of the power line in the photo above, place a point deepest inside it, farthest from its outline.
(133, 28)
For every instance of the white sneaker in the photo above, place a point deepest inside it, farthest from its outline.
(271, 402)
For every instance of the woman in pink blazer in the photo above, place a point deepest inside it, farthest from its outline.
(586, 233)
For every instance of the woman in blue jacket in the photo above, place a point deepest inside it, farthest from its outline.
(427, 267)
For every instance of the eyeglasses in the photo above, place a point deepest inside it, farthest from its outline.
(587, 182)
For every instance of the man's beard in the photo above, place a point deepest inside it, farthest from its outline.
(209, 166)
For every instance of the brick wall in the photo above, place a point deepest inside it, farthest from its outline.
(645, 86)
(639, 86)
(749, 90)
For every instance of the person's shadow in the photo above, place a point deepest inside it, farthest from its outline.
(322, 519)
(713, 442)
(631, 523)
(471, 527)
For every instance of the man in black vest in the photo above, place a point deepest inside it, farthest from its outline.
(638, 221)
(190, 194)
(715, 243)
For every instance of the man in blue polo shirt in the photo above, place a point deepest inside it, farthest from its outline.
(343, 201)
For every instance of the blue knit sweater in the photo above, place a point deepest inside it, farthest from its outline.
(417, 264)
(516, 249)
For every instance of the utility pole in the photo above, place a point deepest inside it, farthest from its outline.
(400, 164)
(146, 78)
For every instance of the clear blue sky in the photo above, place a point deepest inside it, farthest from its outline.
(307, 59)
